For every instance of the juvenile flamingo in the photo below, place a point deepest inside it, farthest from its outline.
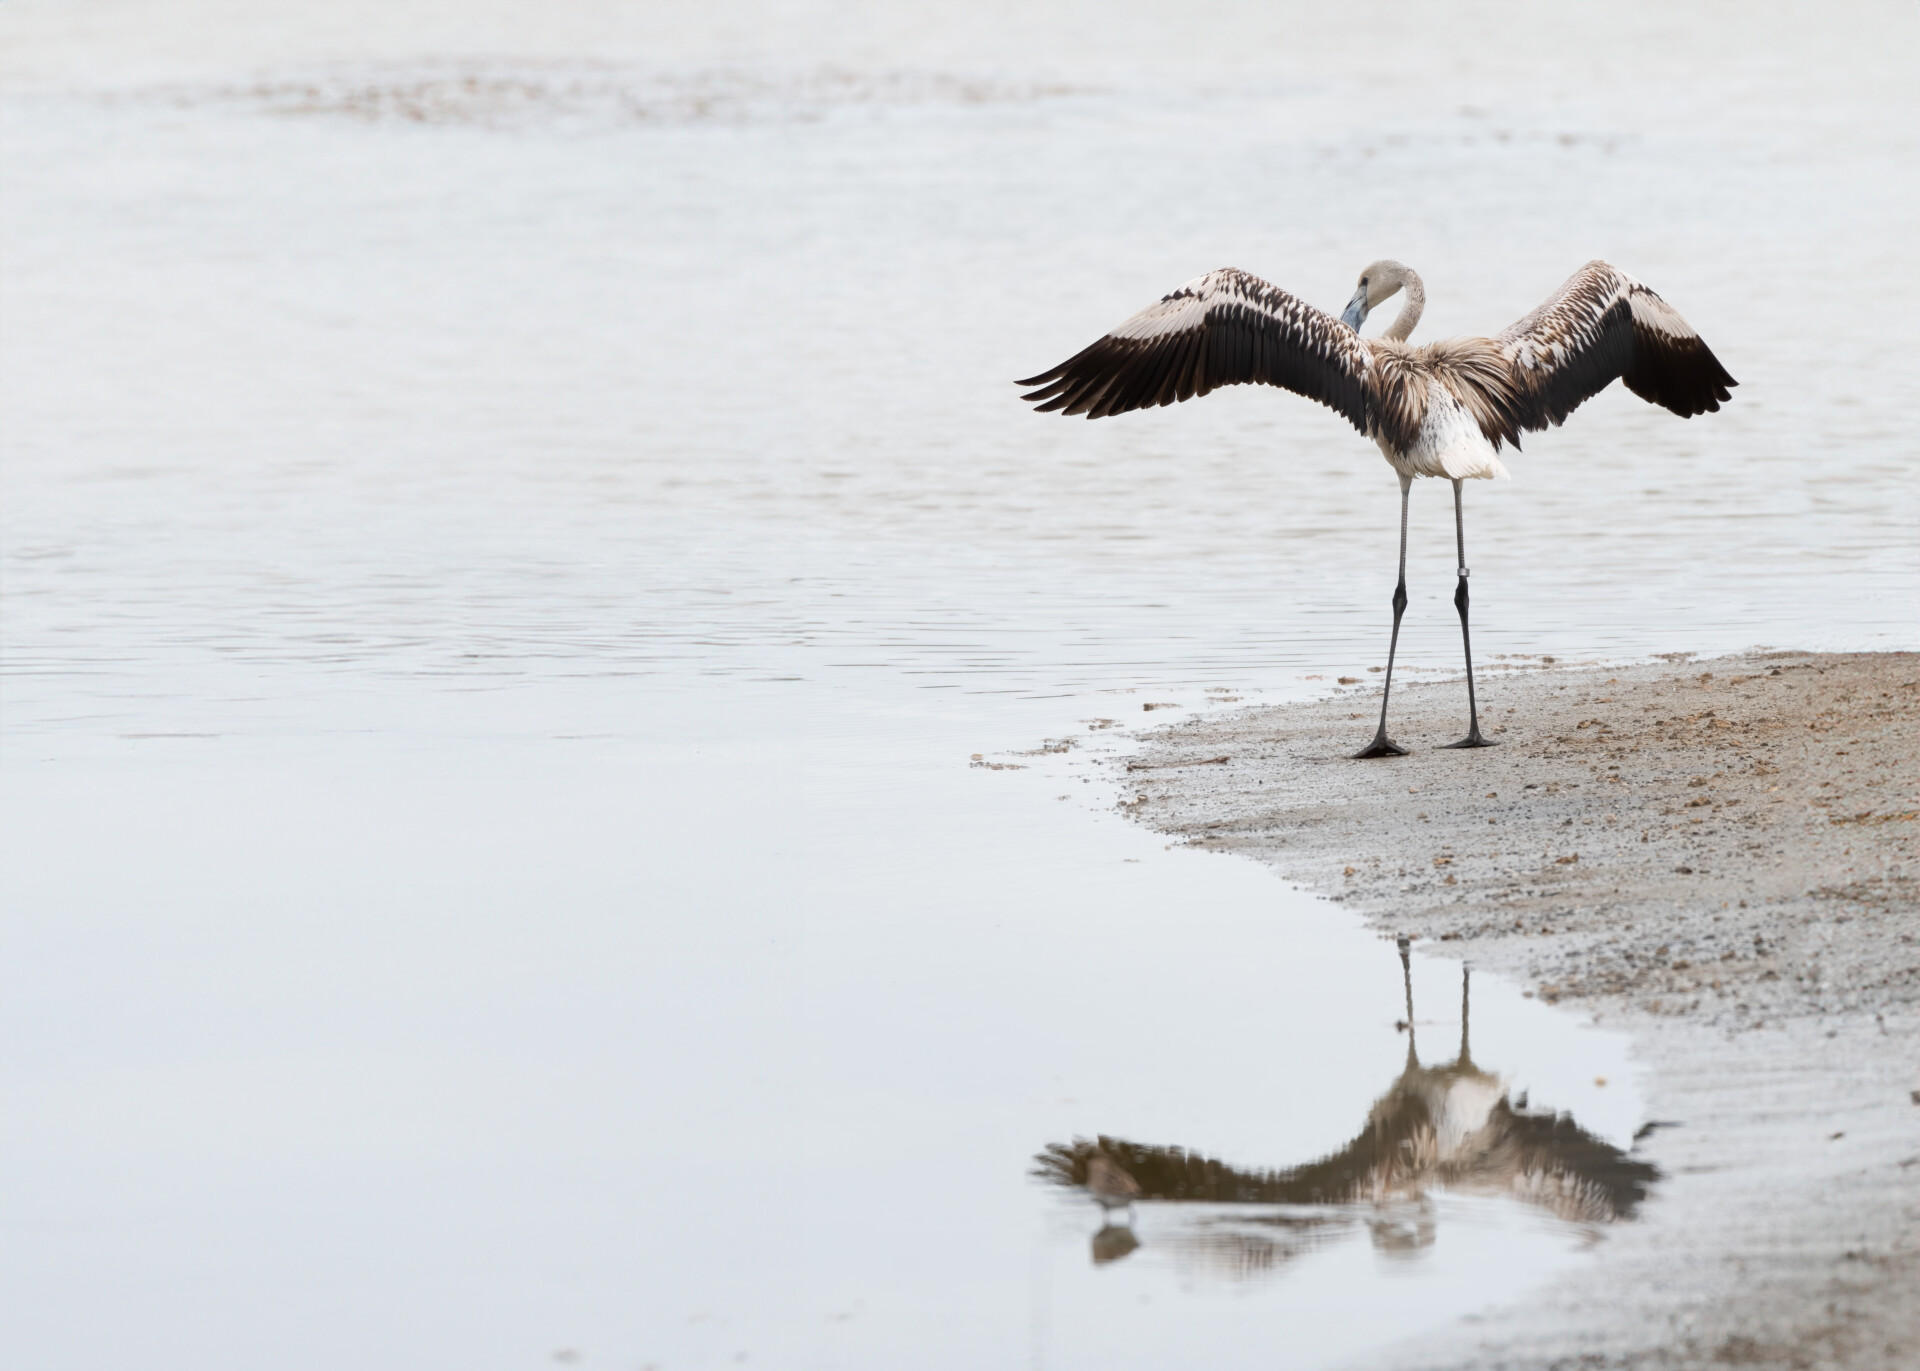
(1442, 409)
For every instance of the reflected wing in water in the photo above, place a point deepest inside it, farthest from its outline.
(1413, 1141)
(1442, 1128)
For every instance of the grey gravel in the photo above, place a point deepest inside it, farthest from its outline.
(1721, 858)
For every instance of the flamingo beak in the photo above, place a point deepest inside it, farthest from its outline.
(1356, 313)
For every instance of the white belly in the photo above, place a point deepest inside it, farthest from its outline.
(1450, 444)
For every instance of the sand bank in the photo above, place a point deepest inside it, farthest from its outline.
(1720, 857)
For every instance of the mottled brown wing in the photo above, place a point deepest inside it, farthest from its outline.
(1601, 325)
(1224, 329)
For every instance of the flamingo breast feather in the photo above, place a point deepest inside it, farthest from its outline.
(1444, 409)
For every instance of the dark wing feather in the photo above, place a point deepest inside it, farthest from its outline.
(1600, 325)
(1225, 329)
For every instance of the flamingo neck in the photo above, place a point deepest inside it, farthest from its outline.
(1410, 310)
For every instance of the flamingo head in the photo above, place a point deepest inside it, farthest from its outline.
(1380, 280)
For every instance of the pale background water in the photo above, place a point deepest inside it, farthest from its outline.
(514, 520)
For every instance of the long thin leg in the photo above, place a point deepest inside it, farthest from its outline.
(1406, 980)
(1466, 1001)
(1382, 745)
(1473, 738)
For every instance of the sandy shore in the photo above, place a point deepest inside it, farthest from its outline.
(1720, 857)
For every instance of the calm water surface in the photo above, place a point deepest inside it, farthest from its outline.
(514, 534)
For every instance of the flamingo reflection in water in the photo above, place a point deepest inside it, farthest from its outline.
(1444, 1128)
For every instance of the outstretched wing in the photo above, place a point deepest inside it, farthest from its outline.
(1604, 324)
(1225, 329)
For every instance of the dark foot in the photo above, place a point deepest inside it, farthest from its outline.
(1473, 739)
(1381, 746)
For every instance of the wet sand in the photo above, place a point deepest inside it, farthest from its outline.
(1719, 857)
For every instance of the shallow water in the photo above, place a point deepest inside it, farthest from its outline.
(513, 534)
